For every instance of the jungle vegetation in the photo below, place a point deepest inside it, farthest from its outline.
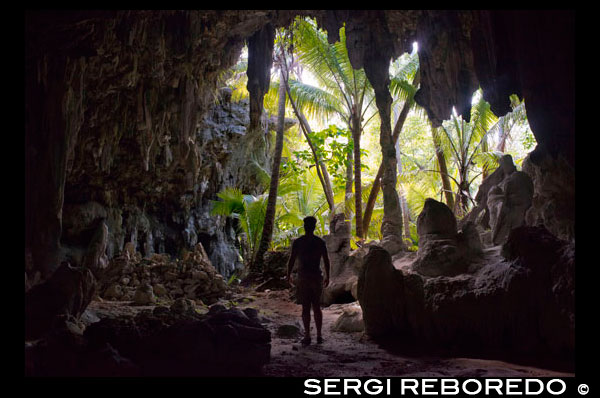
(330, 160)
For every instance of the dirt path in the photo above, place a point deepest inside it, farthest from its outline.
(354, 355)
(342, 354)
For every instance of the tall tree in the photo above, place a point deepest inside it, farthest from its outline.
(463, 142)
(267, 232)
(403, 86)
(442, 166)
(346, 92)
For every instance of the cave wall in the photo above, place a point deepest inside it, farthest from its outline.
(114, 98)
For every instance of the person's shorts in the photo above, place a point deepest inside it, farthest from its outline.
(309, 289)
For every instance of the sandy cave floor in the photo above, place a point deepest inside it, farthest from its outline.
(342, 354)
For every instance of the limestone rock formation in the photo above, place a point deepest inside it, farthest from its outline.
(144, 295)
(442, 249)
(342, 276)
(521, 304)
(130, 277)
(349, 321)
(503, 200)
(553, 204)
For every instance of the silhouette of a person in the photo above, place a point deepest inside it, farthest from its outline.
(310, 283)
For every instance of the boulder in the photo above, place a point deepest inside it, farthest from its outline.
(522, 304)
(380, 290)
(144, 295)
(114, 291)
(442, 249)
(343, 276)
(351, 320)
(436, 219)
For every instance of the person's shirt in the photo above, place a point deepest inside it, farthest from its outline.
(309, 250)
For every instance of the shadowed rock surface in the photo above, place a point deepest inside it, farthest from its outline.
(520, 304)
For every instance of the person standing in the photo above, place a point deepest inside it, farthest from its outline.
(309, 249)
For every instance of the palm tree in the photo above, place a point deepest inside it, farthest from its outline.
(403, 86)
(330, 64)
(442, 166)
(248, 213)
(267, 233)
(463, 142)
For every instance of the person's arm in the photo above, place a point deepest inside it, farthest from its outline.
(291, 262)
(326, 263)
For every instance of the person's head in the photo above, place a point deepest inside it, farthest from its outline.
(310, 224)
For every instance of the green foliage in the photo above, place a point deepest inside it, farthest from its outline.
(249, 211)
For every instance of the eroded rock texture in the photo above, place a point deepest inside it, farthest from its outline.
(443, 250)
(342, 276)
(553, 204)
(503, 200)
(518, 305)
(131, 278)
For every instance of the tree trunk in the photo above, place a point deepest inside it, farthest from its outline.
(503, 136)
(320, 166)
(403, 204)
(441, 159)
(349, 181)
(377, 182)
(377, 71)
(267, 232)
(357, 174)
(484, 148)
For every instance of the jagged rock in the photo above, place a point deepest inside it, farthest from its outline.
(67, 292)
(436, 219)
(508, 203)
(553, 203)
(343, 276)
(225, 343)
(438, 257)
(144, 295)
(88, 317)
(442, 249)
(114, 291)
(502, 200)
(349, 321)
(505, 306)
(469, 240)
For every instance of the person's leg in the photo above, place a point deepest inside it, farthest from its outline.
(316, 305)
(306, 319)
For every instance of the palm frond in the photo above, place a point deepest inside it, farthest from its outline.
(232, 202)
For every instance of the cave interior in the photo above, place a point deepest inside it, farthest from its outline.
(128, 137)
